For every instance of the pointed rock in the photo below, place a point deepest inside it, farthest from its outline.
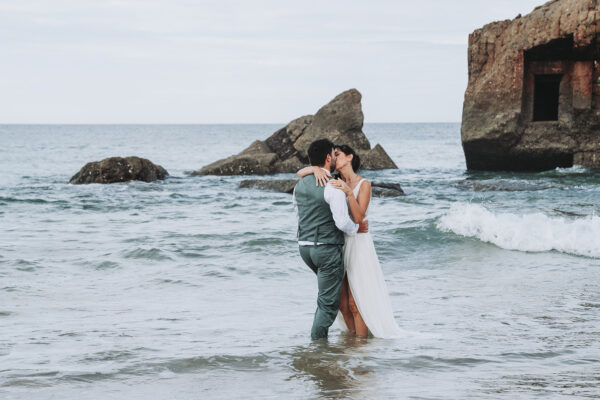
(341, 121)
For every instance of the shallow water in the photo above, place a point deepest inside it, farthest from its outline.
(191, 287)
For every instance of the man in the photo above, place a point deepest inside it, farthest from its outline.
(322, 221)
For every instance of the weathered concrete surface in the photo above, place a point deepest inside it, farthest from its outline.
(340, 121)
(378, 189)
(498, 130)
(119, 169)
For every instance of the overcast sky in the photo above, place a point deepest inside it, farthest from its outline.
(236, 61)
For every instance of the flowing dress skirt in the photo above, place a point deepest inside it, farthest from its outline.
(368, 287)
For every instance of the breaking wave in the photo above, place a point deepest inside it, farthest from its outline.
(535, 232)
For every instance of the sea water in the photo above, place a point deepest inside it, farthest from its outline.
(192, 288)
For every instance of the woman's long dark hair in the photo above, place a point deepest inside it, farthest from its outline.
(347, 150)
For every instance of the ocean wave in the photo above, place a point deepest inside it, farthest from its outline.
(150, 254)
(506, 186)
(535, 232)
(31, 200)
(575, 169)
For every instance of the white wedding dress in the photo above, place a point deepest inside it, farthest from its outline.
(367, 284)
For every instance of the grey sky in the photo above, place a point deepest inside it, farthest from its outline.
(234, 61)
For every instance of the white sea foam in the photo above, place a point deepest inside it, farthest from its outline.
(575, 169)
(525, 232)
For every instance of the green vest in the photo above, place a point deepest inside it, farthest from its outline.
(315, 221)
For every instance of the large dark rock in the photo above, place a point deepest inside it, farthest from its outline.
(340, 121)
(378, 189)
(119, 169)
(533, 97)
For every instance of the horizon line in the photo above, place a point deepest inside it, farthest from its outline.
(209, 123)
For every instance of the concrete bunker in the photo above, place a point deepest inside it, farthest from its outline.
(558, 81)
(533, 98)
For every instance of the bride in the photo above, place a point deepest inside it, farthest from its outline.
(364, 304)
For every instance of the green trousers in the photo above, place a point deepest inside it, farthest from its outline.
(327, 261)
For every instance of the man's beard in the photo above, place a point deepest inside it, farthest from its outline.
(332, 166)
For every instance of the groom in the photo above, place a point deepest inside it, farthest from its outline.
(322, 221)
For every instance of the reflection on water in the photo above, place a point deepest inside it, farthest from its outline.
(337, 367)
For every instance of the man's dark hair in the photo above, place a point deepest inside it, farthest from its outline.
(318, 151)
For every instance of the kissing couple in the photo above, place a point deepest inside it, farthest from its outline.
(335, 243)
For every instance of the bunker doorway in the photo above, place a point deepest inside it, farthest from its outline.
(545, 97)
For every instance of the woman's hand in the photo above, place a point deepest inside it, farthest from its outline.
(363, 227)
(321, 176)
(343, 186)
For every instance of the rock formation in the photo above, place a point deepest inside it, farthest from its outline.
(273, 185)
(533, 97)
(340, 121)
(378, 189)
(118, 169)
(386, 189)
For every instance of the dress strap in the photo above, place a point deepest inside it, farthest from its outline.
(358, 186)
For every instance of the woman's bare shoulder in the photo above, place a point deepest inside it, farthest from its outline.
(365, 186)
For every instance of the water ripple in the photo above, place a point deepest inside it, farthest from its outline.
(154, 254)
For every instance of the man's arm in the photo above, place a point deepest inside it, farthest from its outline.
(339, 209)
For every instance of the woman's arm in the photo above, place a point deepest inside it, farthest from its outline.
(357, 211)
(320, 175)
(305, 171)
(364, 196)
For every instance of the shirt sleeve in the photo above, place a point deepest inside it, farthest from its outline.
(339, 209)
(295, 204)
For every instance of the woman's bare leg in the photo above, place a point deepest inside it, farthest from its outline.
(359, 324)
(345, 306)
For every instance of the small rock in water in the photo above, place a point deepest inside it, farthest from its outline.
(119, 169)
(279, 185)
(385, 189)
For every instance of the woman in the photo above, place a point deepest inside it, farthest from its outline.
(364, 304)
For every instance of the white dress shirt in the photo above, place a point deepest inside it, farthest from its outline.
(339, 209)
